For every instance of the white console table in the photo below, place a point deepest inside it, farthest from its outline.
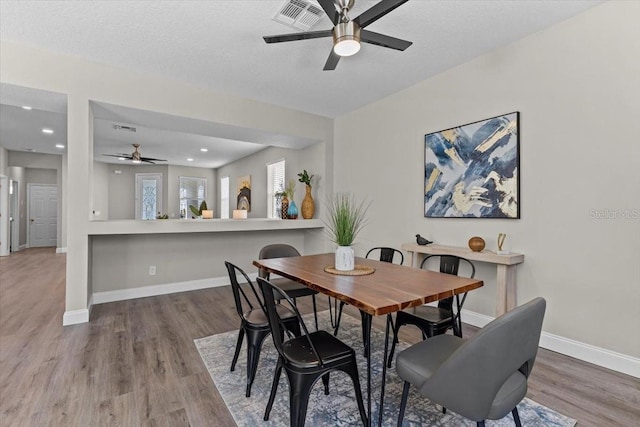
(505, 268)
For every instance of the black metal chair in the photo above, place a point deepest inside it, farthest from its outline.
(386, 255)
(483, 377)
(254, 321)
(306, 359)
(292, 288)
(434, 321)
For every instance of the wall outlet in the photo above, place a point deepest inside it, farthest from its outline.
(152, 270)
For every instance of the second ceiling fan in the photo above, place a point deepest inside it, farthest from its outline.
(347, 33)
(135, 157)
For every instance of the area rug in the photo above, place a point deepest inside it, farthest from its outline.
(339, 408)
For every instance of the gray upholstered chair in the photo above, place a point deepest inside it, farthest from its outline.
(483, 377)
(292, 288)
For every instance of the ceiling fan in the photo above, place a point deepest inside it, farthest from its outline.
(135, 157)
(348, 33)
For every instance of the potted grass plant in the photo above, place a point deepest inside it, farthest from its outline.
(346, 218)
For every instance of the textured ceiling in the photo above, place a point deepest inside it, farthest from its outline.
(218, 44)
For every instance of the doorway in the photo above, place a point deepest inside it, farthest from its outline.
(14, 216)
(148, 195)
(43, 207)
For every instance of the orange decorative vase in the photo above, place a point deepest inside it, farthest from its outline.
(476, 244)
(308, 205)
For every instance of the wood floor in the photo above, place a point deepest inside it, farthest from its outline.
(135, 363)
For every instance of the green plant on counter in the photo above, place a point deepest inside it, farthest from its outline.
(305, 178)
(196, 211)
(162, 216)
(347, 217)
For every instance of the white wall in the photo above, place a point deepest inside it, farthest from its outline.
(577, 86)
(4, 203)
(84, 81)
(122, 262)
(311, 158)
(41, 176)
(4, 161)
(17, 173)
(100, 207)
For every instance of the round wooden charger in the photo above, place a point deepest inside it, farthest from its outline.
(358, 270)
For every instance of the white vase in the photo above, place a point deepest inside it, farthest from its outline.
(344, 258)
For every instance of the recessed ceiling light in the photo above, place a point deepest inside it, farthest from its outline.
(47, 130)
(59, 146)
(189, 159)
(31, 150)
(26, 107)
(204, 150)
(121, 159)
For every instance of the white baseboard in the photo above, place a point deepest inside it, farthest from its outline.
(61, 250)
(155, 290)
(74, 317)
(23, 247)
(589, 353)
(599, 356)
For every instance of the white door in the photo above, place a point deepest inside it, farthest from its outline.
(43, 206)
(148, 195)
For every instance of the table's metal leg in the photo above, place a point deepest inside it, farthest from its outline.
(384, 369)
(366, 327)
(331, 315)
(365, 337)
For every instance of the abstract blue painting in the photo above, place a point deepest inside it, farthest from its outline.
(471, 171)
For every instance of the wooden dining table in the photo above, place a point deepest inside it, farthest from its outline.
(390, 288)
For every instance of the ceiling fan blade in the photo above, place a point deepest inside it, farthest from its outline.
(377, 11)
(298, 36)
(126, 156)
(384, 41)
(147, 159)
(332, 61)
(330, 9)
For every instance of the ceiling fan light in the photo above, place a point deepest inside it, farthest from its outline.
(346, 38)
(346, 47)
(136, 161)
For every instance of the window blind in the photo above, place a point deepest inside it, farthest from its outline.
(224, 197)
(275, 184)
(193, 191)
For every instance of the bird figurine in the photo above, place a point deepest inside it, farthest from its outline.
(422, 241)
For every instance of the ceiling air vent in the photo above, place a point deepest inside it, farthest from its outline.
(122, 127)
(299, 14)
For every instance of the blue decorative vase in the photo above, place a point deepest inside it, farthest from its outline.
(292, 211)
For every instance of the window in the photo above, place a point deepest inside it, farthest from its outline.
(224, 197)
(275, 184)
(148, 195)
(193, 191)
